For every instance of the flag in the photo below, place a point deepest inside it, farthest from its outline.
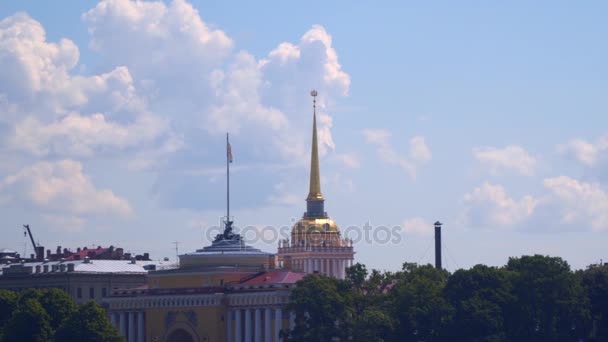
(229, 151)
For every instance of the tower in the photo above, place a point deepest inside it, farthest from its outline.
(316, 245)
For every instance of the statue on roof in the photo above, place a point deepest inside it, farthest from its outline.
(227, 234)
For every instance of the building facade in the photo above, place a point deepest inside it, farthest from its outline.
(230, 291)
(84, 280)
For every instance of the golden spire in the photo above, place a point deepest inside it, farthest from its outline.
(315, 178)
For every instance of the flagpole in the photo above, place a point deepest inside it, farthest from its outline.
(227, 179)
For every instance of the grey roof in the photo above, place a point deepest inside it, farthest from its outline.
(96, 266)
(228, 247)
(7, 251)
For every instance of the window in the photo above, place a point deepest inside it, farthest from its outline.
(92, 292)
(79, 292)
(104, 292)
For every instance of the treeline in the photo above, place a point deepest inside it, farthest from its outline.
(531, 298)
(52, 315)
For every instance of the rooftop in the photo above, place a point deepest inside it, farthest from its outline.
(84, 266)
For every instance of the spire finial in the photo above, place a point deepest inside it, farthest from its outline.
(315, 179)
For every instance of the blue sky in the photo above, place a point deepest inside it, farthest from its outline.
(490, 117)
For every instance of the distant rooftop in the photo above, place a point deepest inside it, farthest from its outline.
(84, 266)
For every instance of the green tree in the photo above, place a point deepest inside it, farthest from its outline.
(58, 304)
(373, 324)
(356, 274)
(595, 282)
(480, 297)
(550, 302)
(8, 303)
(29, 322)
(417, 303)
(89, 323)
(323, 307)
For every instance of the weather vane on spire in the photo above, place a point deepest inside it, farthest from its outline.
(314, 94)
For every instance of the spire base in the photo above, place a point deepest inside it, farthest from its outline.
(315, 209)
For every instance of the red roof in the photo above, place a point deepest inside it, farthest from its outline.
(284, 277)
(85, 252)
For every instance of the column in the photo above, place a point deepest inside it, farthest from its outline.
(131, 328)
(258, 325)
(247, 325)
(140, 327)
(239, 330)
(267, 332)
(114, 319)
(123, 324)
(342, 274)
(316, 265)
(308, 266)
(292, 320)
(229, 326)
(278, 322)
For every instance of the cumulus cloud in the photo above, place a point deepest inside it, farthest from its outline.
(61, 187)
(489, 206)
(419, 152)
(588, 153)
(566, 204)
(158, 42)
(78, 135)
(169, 45)
(510, 158)
(579, 203)
(172, 85)
(53, 112)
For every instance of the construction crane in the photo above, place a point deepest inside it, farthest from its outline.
(39, 250)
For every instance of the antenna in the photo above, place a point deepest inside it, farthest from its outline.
(176, 243)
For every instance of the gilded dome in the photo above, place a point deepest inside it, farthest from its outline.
(315, 225)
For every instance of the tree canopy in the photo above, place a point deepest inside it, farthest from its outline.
(42, 315)
(531, 298)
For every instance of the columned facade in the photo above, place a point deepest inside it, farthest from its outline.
(130, 324)
(261, 319)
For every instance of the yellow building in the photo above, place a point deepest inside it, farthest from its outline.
(230, 291)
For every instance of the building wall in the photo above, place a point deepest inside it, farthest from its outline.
(203, 323)
(72, 282)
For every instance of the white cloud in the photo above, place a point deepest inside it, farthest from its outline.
(157, 41)
(53, 112)
(489, 206)
(239, 100)
(61, 187)
(418, 226)
(585, 152)
(170, 46)
(77, 135)
(582, 204)
(512, 157)
(419, 152)
(174, 85)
